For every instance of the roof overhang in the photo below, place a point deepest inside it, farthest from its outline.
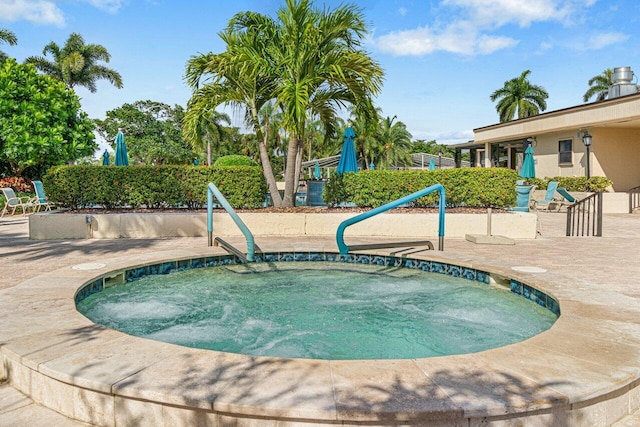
(623, 111)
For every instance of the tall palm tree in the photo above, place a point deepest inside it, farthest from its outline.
(8, 37)
(599, 86)
(77, 63)
(320, 68)
(518, 97)
(209, 130)
(239, 77)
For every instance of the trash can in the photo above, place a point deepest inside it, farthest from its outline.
(315, 187)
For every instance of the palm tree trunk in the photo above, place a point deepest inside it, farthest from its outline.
(296, 180)
(290, 173)
(267, 170)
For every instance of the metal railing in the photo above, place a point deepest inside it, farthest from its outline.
(342, 246)
(211, 191)
(634, 199)
(584, 218)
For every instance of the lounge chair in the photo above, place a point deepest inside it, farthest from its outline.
(549, 198)
(13, 202)
(40, 201)
(568, 198)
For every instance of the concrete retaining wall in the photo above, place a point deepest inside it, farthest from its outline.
(48, 226)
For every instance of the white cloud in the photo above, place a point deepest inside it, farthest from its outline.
(36, 11)
(470, 31)
(602, 40)
(107, 5)
(460, 39)
(46, 11)
(402, 11)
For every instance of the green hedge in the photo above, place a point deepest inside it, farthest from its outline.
(234, 160)
(477, 187)
(153, 186)
(574, 183)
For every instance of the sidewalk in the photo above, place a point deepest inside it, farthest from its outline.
(608, 263)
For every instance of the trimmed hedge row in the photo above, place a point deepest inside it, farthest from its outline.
(153, 187)
(476, 187)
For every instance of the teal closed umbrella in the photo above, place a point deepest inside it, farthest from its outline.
(121, 157)
(432, 164)
(528, 167)
(348, 161)
(316, 171)
(105, 158)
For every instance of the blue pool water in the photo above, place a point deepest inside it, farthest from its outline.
(319, 310)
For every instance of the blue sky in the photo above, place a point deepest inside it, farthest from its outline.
(442, 58)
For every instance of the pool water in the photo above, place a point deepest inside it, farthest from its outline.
(320, 311)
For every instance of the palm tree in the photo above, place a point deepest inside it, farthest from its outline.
(519, 98)
(395, 142)
(76, 63)
(599, 86)
(320, 68)
(209, 130)
(9, 37)
(238, 77)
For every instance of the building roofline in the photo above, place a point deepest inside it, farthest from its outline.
(592, 105)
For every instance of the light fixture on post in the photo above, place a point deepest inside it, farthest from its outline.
(440, 159)
(587, 140)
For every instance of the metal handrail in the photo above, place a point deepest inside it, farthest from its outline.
(634, 199)
(584, 218)
(213, 190)
(344, 248)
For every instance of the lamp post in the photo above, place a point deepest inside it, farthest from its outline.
(587, 140)
(440, 159)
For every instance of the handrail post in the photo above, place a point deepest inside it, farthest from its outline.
(213, 190)
(344, 248)
(599, 214)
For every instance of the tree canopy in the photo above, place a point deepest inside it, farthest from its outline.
(153, 132)
(76, 63)
(519, 98)
(40, 120)
(307, 60)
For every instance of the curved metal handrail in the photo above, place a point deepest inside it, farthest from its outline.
(213, 190)
(391, 205)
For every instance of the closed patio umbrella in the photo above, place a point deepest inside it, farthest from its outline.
(348, 161)
(121, 157)
(105, 158)
(528, 167)
(316, 171)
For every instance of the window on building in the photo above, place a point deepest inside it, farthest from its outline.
(565, 152)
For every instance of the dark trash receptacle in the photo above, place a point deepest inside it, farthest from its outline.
(315, 187)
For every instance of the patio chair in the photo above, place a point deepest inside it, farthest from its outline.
(13, 202)
(523, 199)
(40, 201)
(549, 198)
(568, 198)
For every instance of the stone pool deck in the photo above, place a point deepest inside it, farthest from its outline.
(597, 280)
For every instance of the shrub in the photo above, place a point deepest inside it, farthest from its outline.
(234, 160)
(574, 183)
(477, 187)
(153, 187)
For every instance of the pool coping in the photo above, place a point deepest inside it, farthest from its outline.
(90, 373)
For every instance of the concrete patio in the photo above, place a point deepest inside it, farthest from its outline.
(607, 268)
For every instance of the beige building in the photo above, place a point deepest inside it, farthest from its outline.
(557, 139)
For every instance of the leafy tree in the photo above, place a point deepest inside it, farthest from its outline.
(208, 130)
(77, 63)
(307, 60)
(599, 86)
(9, 37)
(40, 120)
(153, 132)
(518, 97)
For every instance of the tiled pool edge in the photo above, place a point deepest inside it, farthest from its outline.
(515, 286)
(619, 396)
